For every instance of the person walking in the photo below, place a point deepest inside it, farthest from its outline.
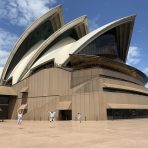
(78, 117)
(52, 117)
(20, 117)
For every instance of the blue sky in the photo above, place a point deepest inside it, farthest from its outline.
(16, 15)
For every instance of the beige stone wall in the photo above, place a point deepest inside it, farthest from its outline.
(83, 87)
(93, 106)
(91, 101)
(87, 104)
(44, 89)
(47, 82)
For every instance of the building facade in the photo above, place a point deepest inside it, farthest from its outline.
(65, 68)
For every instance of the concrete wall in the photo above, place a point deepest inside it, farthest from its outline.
(44, 88)
(83, 87)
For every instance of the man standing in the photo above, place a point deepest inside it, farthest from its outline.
(20, 117)
(52, 116)
(78, 117)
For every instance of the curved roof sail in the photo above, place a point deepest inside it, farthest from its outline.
(58, 43)
(48, 39)
(33, 37)
(123, 30)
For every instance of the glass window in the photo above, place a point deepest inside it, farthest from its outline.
(104, 45)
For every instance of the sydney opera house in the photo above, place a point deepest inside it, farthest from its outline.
(65, 68)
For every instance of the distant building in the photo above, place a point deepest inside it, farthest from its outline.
(67, 69)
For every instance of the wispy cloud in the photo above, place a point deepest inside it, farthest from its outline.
(94, 23)
(133, 57)
(23, 12)
(7, 41)
(3, 57)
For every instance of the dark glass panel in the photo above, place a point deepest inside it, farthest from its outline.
(4, 100)
(127, 113)
(41, 33)
(104, 45)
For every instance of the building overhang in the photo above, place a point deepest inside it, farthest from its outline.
(64, 105)
(24, 89)
(126, 88)
(85, 61)
(7, 91)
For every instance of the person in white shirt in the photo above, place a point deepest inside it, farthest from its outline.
(78, 117)
(20, 117)
(52, 116)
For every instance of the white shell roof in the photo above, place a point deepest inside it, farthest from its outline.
(17, 71)
(31, 54)
(61, 52)
(70, 25)
(33, 26)
(93, 35)
(56, 52)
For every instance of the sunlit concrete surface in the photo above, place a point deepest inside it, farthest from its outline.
(72, 134)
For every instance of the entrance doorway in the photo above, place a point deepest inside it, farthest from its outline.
(3, 112)
(65, 115)
(4, 102)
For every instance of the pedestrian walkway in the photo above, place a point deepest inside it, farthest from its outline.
(72, 134)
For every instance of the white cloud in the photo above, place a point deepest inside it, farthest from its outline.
(23, 12)
(94, 23)
(3, 57)
(7, 41)
(133, 55)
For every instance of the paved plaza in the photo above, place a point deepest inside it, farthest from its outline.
(72, 134)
